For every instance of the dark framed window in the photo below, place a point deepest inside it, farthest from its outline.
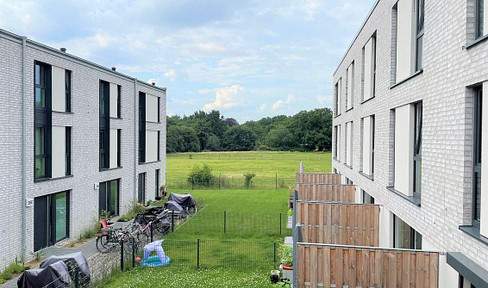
(51, 219)
(373, 77)
(464, 284)
(156, 182)
(478, 116)
(119, 132)
(335, 141)
(417, 154)
(68, 151)
(404, 236)
(372, 145)
(141, 188)
(42, 120)
(142, 127)
(420, 5)
(108, 200)
(104, 124)
(480, 18)
(336, 104)
(367, 199)
(119, 105)
(159, 145)
(67, 80)
(159, 110)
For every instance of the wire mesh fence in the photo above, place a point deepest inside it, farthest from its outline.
(236, 182)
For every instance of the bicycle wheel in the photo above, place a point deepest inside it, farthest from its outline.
(143, 237)
(163, 228)
(102, 244)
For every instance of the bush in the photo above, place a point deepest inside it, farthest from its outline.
(15, 268)
(6, 275)
(134, 209)
(249, 177)
(201, 176)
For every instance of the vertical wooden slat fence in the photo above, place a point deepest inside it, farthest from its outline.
(337, 223)
(326, 192)
(322, 265)
(318, 178)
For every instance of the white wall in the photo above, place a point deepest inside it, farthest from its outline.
(58, 151)
(113, 100)
(151, 108)
(151, 146)
(485, 17)
(404, 144)
(113, 148)
(368, 69)
(386, 228)
(58, 89)
(405, 39)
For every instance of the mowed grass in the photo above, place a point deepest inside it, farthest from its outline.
(232, 165)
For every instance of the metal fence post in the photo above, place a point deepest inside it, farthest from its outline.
(152, 232)
(173, 220)
(280, 222)
(274, 255)
(295, 240)
(225, 221)
(276, 182)
(198, 252)
(122, 256)
(133, 254)
(77, 277)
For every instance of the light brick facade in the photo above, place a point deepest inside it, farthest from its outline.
(449, 70)
(84, 120)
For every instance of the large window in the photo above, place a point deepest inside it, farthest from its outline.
(42, 120)
(68, 151)
(108, 200)
(350, 87)
(348, 144)
(156, 182)
(368, 145)
(141, 191)
(369, 69)
(68, 90)
(142, 127)
(367, 199)
(478, 114)
(336, 135)
(417, 153)
(51, 219)
(408, 19)
(404, 236)
(104, 123)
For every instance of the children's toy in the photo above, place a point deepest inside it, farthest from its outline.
(158, 260)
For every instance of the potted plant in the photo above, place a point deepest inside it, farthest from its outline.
(287, 262)
(162, 195)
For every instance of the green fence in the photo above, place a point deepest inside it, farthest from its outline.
(224, 182)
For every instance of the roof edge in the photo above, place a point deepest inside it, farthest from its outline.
(357, 34)
(48, 49)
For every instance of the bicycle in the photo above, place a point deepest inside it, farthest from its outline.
(111, 239)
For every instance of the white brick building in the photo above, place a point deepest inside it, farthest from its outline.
(410, 129)
(76, 138)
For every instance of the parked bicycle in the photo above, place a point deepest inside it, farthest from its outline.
(110, 239)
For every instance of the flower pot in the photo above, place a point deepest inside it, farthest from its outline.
(288, 273)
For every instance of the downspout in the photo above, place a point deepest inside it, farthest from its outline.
(135, 140)
(24, 136)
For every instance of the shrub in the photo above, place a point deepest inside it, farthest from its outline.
(6, 275)
(248, 179)
(134, 209)
(201, 176)
(2, 281)
(286, 255)
(15, 268)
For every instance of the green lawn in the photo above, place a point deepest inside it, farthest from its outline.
(244, 255)
(272, 169)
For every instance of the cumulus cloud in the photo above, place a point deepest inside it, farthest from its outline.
(280, 103)
(224, 98)
(323, 99)
(171, 75)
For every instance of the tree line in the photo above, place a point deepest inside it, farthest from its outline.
(211, 131)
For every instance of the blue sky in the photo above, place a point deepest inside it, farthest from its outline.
(248, 59)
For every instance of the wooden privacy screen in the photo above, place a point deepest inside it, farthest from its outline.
(318, 178)
(327, 265)
(327, 193)
(344, 224)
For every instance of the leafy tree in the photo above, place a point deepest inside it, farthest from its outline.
(239, 138)
(181, 139)
(281, 138)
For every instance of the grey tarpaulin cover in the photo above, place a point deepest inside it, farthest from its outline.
(185, 200)
(73, 261)
(52, 276)
(173, 206)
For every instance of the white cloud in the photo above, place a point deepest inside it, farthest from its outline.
(280, 103)
(263, 107)
(323, 99)
(171, 75)
(225, 98)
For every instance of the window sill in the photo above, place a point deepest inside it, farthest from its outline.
(350, 167)
(142, 163)
(337, 160)
(349, 109)
(412, 199)
(109, 169)
(370, 98)
(62, 112)
(153, 122)
(475, 42)
(408, 78)
(116, 118)
(337, 116)
(51, 179)
(474, 232)
(370, 177)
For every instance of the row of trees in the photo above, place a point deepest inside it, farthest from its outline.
(201, 131)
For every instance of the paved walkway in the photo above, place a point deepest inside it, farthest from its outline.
(290, 222)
